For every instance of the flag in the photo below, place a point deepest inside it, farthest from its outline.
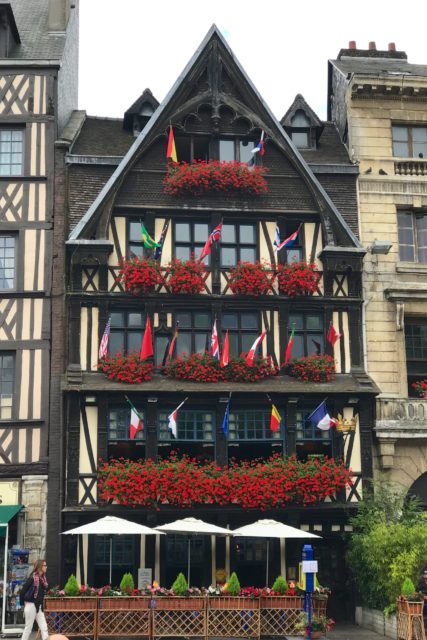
(290, 240)
(225, 350)
(321, 417)
(276, 241)
(159, 248)
(251, 353)
(226, 419)
(173, 417)
(214, 342)
(260, 146)
(171, 150)
(136, 421)
(289, 345)
(173, 342)
(318, 346)
(275, 419)
(147, 240)
(213, 237)
(333, 335)
(103, 347)
(147, 342)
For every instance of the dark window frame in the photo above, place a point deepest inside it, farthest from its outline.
(125, 328)
(14, 236)
(241, 331)
(195, 246)
(4, 382)
(193, 330)
(410, 143)
(248, 415)
(188, 415)
(307, 431)
(126, 411)
(305, 332)
(237, 244)
(414, 248)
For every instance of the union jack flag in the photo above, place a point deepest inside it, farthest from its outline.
(214, 236)
(103, 347)
(214, 342)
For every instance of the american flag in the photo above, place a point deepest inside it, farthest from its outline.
(103, 347)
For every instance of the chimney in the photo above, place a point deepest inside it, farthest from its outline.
(392, 46)
(372, 46)
(59, 12)
(352, 44)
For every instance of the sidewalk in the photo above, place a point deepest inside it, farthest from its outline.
(353, 632)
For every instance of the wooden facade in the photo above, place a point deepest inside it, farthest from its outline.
(213, 99)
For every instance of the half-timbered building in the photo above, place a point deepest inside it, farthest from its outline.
(38, 49)
(115, 172)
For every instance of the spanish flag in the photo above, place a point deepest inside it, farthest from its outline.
(171, 150)
(275, 419)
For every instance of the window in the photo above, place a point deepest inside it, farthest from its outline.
(127, 330)
(119, 423)
(300, 130)
(236, 150)
(11, 152)
(412, 236)
(192, 147)
(193, 425)
(135, 245)
(409, 141)
(189, 239)
(309, 336)
(7, 261)
(251, 425)
(416, 350)
(7, 368)
(238, 244)
(295, 252)
(310, 439)
(195, 328)
(243, 329)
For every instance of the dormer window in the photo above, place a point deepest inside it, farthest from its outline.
(302, 125)
(300, 133)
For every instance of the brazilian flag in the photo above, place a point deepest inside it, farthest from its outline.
(147, 240)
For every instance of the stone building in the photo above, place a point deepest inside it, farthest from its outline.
(379, 102)
(38, 91)
(114, 171)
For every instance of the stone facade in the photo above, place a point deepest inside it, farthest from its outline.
(34, 497)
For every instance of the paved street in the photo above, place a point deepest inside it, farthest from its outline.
(353, 632)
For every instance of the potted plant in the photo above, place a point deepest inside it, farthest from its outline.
(126, 368)
(410, 600)
(140, 275)
(298, 278)
(186, 276)
(314, 368)
(320, 625)
(420, 387)
(202, 367)
(200, 178)
(281, 596)
(250, 279)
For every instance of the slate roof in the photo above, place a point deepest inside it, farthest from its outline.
(329, 150)
(102, 137)
(85, 183)
(378, 66)
(31, 18)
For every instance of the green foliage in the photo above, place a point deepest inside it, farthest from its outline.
(389, 544)
(72, 587)
(408, 588)
(180, 586)
(127, 584)
(280, 585)
(233, 585)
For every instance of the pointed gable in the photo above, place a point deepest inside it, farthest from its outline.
(215, 100)
(302, 124)
(139, 113)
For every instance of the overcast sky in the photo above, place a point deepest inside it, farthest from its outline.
(128, 45)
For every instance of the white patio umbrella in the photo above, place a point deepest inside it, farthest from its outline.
(192, 526)
(112, 526)
(271, 529)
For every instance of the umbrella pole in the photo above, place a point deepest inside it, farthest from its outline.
(188, 561)
(111, 558)
(268, 553)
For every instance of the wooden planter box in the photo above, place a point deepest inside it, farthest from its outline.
(410, 607)
(319, 605)
(124, 616)
(233, 617)
(71, 616)
(280, 614)
(178, 616)
(282, 602)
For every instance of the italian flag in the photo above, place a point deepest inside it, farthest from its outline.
(289, 345)
(136, 422)
(275, 419)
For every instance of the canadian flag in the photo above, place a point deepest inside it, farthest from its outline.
(251, 353)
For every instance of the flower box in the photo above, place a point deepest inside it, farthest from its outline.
(75, 603)
(420, 387)
(411, 607)
(315, 368)
(124, 616)
(178, 616)
(199, 178)
(233, 617)
(250, 279)
(282, 602)
(186, 276)
(190, 603)
(140, 275)
(71, 616)
(124, 602)
(232, 602)
(126, 368)
(202, 367)
(297, 279)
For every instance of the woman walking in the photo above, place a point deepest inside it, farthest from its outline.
(31, 597)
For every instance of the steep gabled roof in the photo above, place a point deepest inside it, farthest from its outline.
(299, 104)
(145, 98)
(212, 53)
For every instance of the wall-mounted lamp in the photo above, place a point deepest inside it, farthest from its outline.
(380, 247)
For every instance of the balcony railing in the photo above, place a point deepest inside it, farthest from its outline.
(403, 411)
(411, 168)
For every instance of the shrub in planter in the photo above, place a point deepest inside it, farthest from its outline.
(140, 275)
(127, 584)
(203, 177)
(280, 586)
(297, 278)
(250, 279)
(315, 368)
(72, 587)
(420, 387)
(180, 586)
(232, 588)
(186, 276)
(126, 368)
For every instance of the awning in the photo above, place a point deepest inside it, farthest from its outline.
(7, 512)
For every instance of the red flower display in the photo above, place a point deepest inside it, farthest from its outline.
(249, 278)
(203, 177)
(315, 368)
(420, 387)
(202, 367)
(183, 482)
(126, 368)
(140, 275)
(297, 278)
(186, 276)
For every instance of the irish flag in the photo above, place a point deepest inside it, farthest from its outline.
(251, 353)
(275, 419)
(289, 345)
(173, 417)
(136, 422)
